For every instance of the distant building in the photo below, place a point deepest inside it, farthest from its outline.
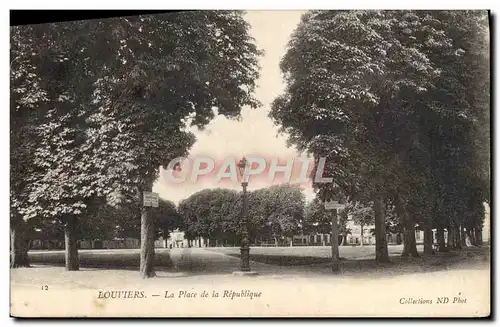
(487, 224)
(177, 239)
(117, 243)
(47, 245)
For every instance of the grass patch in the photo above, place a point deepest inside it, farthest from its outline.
(282, 260)
(396, 264)
(119, 259)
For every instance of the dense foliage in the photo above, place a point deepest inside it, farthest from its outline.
(276, 212)
(98, 106)
(397, 102)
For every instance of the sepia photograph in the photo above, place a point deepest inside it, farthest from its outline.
(251, 164)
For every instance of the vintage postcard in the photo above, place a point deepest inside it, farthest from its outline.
(217, 163)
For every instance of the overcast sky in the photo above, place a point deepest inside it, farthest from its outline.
(254, 133)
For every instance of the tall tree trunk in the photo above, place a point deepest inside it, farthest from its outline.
(323, 239)
(478, 233)
(18, 244)
(451, 237)
(428, 239)
(147, 244)
(463, 236)
(381, 251)
(362, 237)
(199, 242)
(471, 236)
(458, 238)
(441, 240)
(409, 241)
(71, 245)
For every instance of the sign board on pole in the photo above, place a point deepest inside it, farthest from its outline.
(150, 199)
(146, 199)
(330, 205)
(155, 200)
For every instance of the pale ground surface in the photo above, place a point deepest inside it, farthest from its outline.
(285, 291)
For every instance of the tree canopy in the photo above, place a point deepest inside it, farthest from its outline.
(107, 102)
(382, 95)
(276, 211)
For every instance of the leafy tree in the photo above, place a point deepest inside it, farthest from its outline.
(447, 115)
(127, 220)
(25, 94)
(211, 214)
(280, 209)
(462, 164)
(65, 174)
(179, 67)
(167, 217)
(362, 215)
(215, 214)
(117, 110)
(316, 218)
(319, 220)
(343, 71)
(358, 85)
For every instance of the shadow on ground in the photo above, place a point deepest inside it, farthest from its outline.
(467, 258)
(215, 261)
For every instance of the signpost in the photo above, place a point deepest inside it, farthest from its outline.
(334, 205)
(150, 199)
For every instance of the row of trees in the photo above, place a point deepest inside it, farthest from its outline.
(107, 223)
(396, 101)
(98, 106)
(275, 213)
(398, 104)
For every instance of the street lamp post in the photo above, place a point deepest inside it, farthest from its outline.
(245, 243)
